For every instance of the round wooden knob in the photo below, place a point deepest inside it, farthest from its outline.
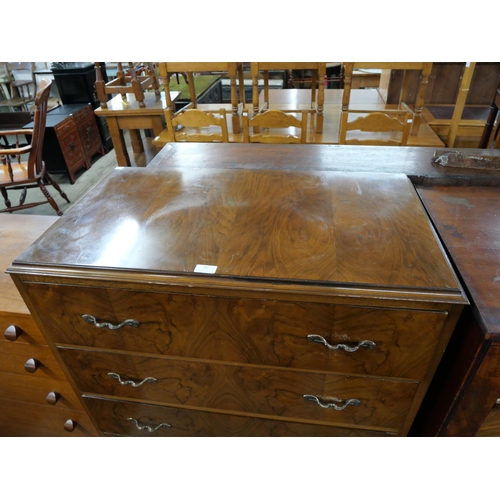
(69, 425)
(52, 398)
(12, 333)
(32, 365)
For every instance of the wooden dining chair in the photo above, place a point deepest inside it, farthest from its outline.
(491, 131)
(130, 83)
(234, 71)
(318, 73)
(273, 120)
(195, 125)
(425, 69)
(22, 89)
(376, 128)
(32, 173)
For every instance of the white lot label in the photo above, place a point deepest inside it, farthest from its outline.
(200, 268)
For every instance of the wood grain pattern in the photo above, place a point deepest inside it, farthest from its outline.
(266, 332)
(322, 226)
(242, 388)
(112, 417)
(491, 426)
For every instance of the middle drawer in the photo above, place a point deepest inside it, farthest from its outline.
(243, 388)
(242, 330)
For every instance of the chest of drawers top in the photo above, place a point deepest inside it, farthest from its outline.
(363, 234)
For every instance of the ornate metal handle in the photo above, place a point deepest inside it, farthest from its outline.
(147, 427)
(367, 344)
(151, 380)
(329, 404)
(128, 322)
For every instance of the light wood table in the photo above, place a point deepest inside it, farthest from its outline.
(128, 115)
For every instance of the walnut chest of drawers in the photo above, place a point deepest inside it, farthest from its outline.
(35, 396)
(242, 302)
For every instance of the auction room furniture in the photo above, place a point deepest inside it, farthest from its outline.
(460, 103)
(382, 128)
(76, 85)
(464, 397)
(424, 69)
(31, 174)
(275, 121)
(245, 301)
(71, 139)
(489, 139)
(124, 84)
(35, 396)
(317, 81)
(22, 91)
(233, 70)
(128, 115)
(194, 125)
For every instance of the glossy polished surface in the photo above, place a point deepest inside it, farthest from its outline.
(296, 226)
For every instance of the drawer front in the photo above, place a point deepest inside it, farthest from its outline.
(70, 143)
(144, 420)
(250, 331)
(89, 133)
(29, 420)
(29, 389)
(247, 389)
(24, 327)
(13, 358)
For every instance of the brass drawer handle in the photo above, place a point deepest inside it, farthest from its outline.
(367, 344)
(147, 427)
(151, 380)
(330, 402)
(128, 322)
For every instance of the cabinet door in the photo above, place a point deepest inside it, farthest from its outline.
(89, 133)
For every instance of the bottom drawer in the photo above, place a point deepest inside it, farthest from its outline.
(29, 420)
(135, 419)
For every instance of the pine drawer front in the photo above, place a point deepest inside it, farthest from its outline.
(22, 326)
(15, 356)
(18, 419)
(29, 389)
(146, 420)
(313, 336)
(246, 389)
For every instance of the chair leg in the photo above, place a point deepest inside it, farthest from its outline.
(51, 200)
(56, 185)
(5, 197)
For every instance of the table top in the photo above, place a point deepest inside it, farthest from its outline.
(154, 105)
(416, 162)
(365, 233)
(468, 221)
(17, 232)
(297, 97)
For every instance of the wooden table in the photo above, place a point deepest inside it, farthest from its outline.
(416, 162)
(121, 115)
(464, 397)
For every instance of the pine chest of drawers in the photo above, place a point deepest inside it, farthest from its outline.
(35, 396)
(245, 302)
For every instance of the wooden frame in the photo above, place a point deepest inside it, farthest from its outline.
(317, 80)
(197, 119)
(124, 85)
(274, 119)
(424, 67)
(233, 69)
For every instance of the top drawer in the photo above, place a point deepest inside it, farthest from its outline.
(267, 332)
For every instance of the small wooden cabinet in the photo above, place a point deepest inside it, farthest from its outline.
(35, 397)
(245, 302)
